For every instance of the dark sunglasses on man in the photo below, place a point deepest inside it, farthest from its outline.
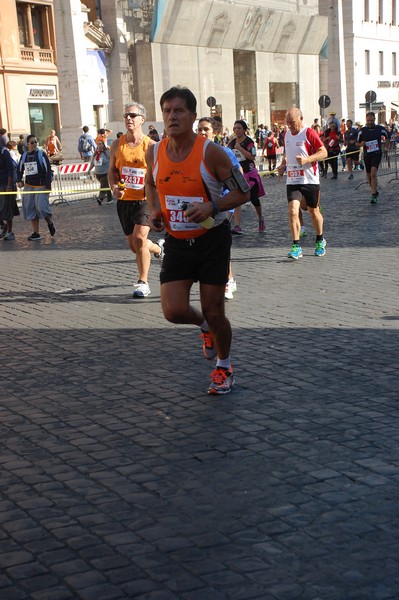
(131, 115)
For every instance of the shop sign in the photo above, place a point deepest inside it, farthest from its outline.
(41, 93)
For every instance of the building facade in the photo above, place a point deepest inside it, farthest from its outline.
(75, 64)
(255, 58)
(83, 71)
(65, 64)
(363, 54)
(29, 93)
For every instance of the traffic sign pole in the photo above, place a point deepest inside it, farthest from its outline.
(324, 102)
(211, 102)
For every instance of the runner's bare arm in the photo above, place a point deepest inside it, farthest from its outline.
(151, 193)
(218, 161)
(113, 176)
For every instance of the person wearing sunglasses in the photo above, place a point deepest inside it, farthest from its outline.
(126, 180)
(35, 174)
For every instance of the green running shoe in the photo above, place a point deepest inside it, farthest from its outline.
(320, 249)
(295, 252)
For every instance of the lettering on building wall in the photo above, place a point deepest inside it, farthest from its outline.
(44, 92)
(384, 84)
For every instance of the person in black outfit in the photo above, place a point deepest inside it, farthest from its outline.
(8, 201)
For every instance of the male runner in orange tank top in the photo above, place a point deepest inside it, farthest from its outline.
(128, 165)
(184, 185)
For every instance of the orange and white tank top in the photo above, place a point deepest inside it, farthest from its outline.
(132, 167)
(184, 182)
(51, 147)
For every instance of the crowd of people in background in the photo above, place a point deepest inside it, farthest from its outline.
(198, 204)
(260, 149)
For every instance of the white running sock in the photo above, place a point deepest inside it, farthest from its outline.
(224, 363)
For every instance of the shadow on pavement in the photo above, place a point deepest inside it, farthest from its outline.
(119, 474)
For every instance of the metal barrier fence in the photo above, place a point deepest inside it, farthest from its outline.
(262, 163)
(388, 164)
(73, 182)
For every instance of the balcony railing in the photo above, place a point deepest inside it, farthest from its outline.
(37, 55)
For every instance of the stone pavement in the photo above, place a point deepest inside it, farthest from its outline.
(121, 478)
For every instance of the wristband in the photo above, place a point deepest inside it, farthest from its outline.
(216, 210)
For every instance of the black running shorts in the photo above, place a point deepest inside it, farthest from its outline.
(309, 191)
(204, 259)
(131, 213)
(372, 160)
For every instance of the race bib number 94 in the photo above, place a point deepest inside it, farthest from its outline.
(31, 168)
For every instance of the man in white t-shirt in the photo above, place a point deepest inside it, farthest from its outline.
(303, 149)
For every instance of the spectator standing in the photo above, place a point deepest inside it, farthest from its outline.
(103, 135)
(352, 151)
(3, 137)
(12, 148)
(153, 133)
(316, 126)
(332, 119)
(86, 145)
(270, 147)
(8, 202)
(22, 147)
(332, 141)
(100, 161)
(258, 135)
(34, 173)
(53, 147)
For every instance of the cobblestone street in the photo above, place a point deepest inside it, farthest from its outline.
(121, 478)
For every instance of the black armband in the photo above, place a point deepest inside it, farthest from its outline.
(237, 181)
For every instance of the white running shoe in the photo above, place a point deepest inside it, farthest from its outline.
(142, 289)
(231, 287)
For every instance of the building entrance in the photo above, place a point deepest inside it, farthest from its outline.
(42, 118)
